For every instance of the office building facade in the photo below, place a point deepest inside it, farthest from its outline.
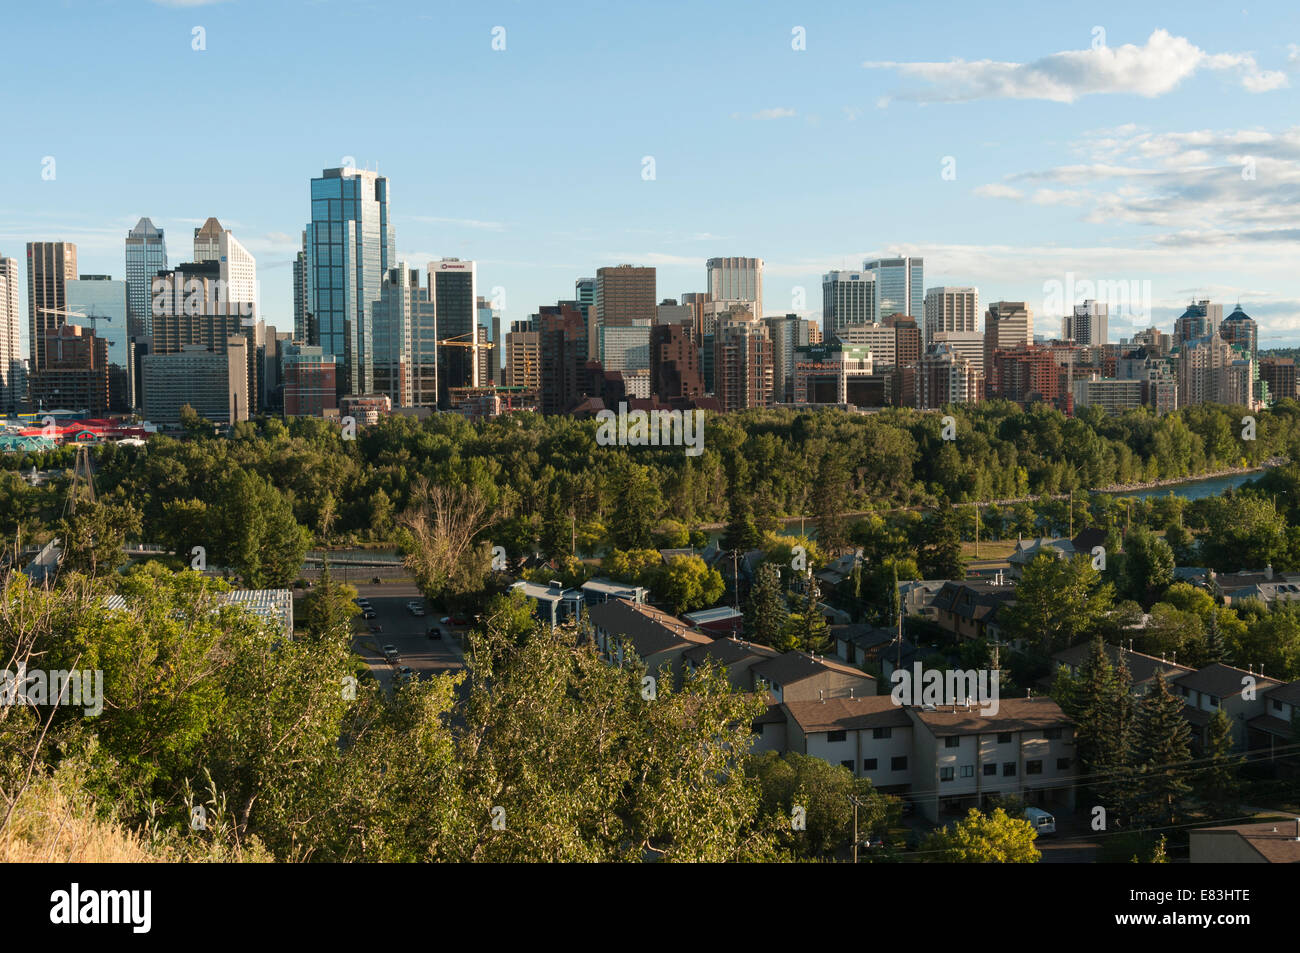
(50, 266)
(146, 255)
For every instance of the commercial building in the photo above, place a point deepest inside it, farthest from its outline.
(236, 267)
(146, 255)
(104, 304)
(309, 383)
(950, 309)
(75, 375)
(1008, 326)
(848, 299)
(13, 376)
(625, 294)
(350, 246)
(453, 287)
(899, 285)
(733, 281)
(50, 265)
(788, 333)
(675, 372)
(524, 357)
(743, 359)
(213, 382)
(1111, 395)
(1279, 374)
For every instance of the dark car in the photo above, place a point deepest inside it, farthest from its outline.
(434, 632)
(368, 613)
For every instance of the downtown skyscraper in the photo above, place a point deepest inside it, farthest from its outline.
(900, 286)
(146, 255)
(50, 265)
(12, 376)
(350, 246)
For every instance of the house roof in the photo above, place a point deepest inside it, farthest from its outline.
(1289, 693)
(649, 630)
(1014, 714)
(863, 636)
(791, 667)
(1274, 726)
(1275, 841)
(1223, 681)
(847, 714)
(728, 651)
(1142, 668)
(976, 601)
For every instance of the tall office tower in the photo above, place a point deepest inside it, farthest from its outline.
(742, 363)
(1240, 330)
(900, 285)
(1086, 325)
(950, 309)
(623, 295)
(523, 357)
(104, 304)
(489, 326)
(146, 255)
(562, 329)
(301, 330)
(787, 333)
(737, 281)
(13, 379)
(50, 265)
(350, 245)
(189, 308)
(309, 388)
(675, 363)
(393, 331)
(907, 339)
(213, 382)
(848, 300)
(1007, 325)
(945, 376)
(238, 268)
(453, 288)
(584, 292)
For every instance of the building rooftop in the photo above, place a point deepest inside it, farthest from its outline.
(847, 714)
(1276, 842)
(1014, 714)
(648, 630)
(1224, 681)
(791, 667)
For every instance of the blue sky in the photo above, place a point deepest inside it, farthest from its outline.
(1115, 156)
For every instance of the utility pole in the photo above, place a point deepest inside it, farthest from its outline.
(1071, 505)
(735, 579)
(976, 505)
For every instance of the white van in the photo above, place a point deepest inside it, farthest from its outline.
(1043, 822)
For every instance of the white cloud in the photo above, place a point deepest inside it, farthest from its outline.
(776, 112)
(998, 191)
(1150, 70)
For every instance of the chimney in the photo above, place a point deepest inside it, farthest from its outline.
(1268, 571)
(821, 694)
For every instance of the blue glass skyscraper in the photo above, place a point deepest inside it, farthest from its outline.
(900, 286)
(350, 246)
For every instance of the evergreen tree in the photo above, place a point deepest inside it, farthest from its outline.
(741, 534)
(1161, 750)
(940, 556)
(1218, 782)
(829, 502)
(1216, 646)
(766, 613)
(816, 633)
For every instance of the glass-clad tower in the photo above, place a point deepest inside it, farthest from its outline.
(350, 246)
(146, 255)
(900, 286)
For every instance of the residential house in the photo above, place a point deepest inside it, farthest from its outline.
(1237, 691)
(798, 676)
(969, 609)
(658, 638)
(870, 736)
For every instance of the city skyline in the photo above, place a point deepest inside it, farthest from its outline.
(1128, 160)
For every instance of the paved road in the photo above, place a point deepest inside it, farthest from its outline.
(425, 656)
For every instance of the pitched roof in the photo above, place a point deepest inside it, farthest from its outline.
(1014, 714)
(976, 601)
(794, 667)
(1289, 693)
(847, 714)
(863, 636)
(1223, 681)
(1275, 841)
(1142, 668)
(649, 630)
(728, 651)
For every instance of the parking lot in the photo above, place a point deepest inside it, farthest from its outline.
(407, 632)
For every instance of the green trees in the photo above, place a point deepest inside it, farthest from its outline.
(93, 536)
(1161, 752)
(1217, 782)
(1242, 531)
(254, 533)
(688, 583)
(940, 554)
(984, 839)
(1148, 565)
(766, 612)
(1057, 603)
(825, 792)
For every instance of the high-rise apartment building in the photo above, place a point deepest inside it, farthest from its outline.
(625, 294)
(743, 371)
(454, 290)
(213, 382)
(787, 332)
(524, 357)
(1086, 324)
(301, 330)
(50, 265)
(75, 375)
(1280, 376)
(146, 255)
(737, 281)
(350, 246)
(675, 363)
(1240, 330)
(309, 387)
(848, 300)
(950, 309)
(1210, 370)
(584, 292)
(900, 285)
(13, 377)
(562, 330)
(945, 376)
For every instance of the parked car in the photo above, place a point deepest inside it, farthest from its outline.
(368, 614)
(434, 632)
(403, 675)
(454, 620)
(1043, 822)
(390, 653)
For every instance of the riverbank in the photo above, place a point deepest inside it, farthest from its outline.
(1178, 481)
